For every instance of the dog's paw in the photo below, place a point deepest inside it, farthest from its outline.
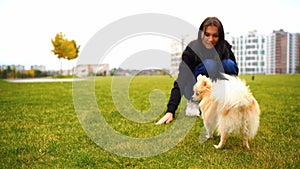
(216, 146)
(246, 147)
(209, 136)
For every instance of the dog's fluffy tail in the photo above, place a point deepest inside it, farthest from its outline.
(239, 108)
(243, 119)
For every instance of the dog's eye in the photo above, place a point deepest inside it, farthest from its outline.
(197, 93)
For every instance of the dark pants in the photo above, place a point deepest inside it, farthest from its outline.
(209, 66)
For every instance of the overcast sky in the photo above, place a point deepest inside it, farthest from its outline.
(27, 26)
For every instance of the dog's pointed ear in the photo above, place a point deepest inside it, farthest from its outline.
(204, 83)
(199, 77)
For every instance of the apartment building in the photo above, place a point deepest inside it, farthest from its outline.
(41, 68)
(250, 51)
(17, 68)
(294, 53)
(84, 70)
(283, 52)
(176, 53)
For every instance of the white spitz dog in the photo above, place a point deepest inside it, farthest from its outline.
(228, 106)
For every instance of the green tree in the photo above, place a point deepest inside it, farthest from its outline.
(64, 48)
(9, 72)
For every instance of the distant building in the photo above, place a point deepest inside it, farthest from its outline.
(250, 51)
(17, 68)
(294, 59)
(271, 54)
(2, 67)
(283, 52)
(41, 68)
(84, 70)
(176, 53)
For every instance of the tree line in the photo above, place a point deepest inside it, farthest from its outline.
(12, 73)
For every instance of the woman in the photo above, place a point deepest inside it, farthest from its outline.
(209, 55)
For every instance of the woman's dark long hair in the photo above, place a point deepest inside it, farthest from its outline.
(222, 46)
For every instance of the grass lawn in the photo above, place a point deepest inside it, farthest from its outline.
(40, 128)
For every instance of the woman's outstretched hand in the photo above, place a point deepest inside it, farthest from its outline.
(167, 118)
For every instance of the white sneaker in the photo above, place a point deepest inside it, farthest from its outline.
(192, 109)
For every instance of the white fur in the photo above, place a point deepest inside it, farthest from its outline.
(228, 106)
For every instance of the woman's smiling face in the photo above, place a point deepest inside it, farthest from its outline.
(210, 36)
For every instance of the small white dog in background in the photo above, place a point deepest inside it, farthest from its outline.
(228, 106)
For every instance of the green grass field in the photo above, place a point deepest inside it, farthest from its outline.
(40, 129)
